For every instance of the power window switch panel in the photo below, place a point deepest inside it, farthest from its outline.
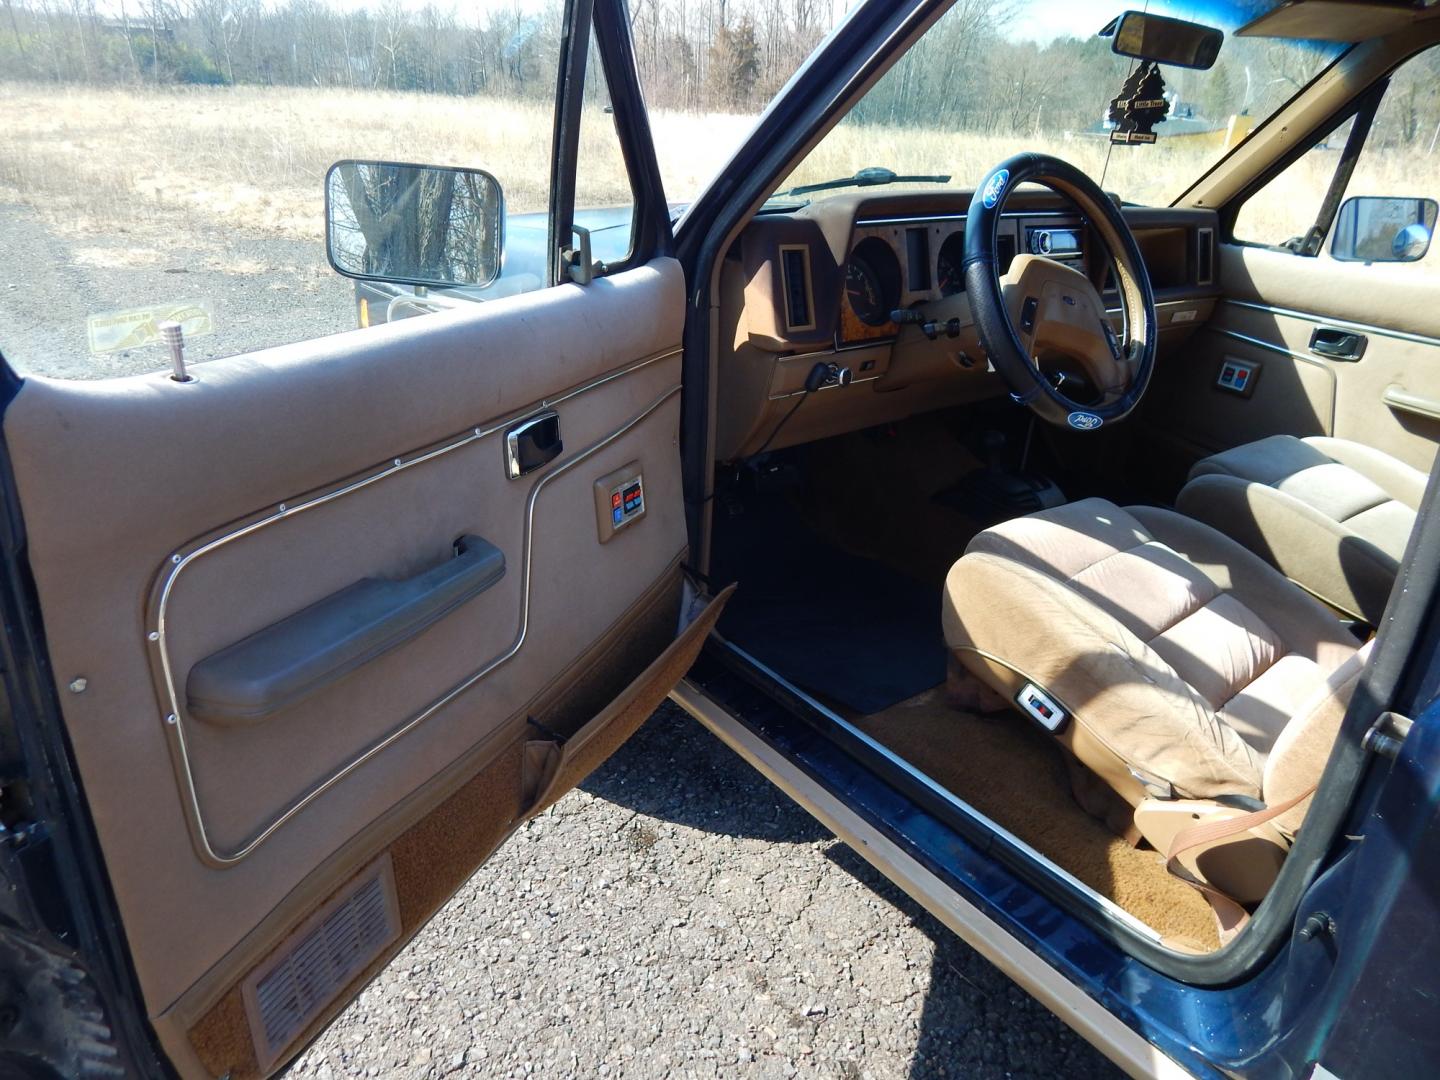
(1237, 376)
(619, 500)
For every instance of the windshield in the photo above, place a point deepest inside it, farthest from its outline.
(992, 79)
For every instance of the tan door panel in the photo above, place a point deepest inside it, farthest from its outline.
(248, 774)
(1399, 298)
(1273, 303)
(279, 479)
(1360, 412)
(1291, 394)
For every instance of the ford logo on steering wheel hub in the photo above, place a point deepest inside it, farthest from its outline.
(1084, 421)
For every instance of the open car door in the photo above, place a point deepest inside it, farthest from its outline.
(325, 623)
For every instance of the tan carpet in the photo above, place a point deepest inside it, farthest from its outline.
(1014, 775)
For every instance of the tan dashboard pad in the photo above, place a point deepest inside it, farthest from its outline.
(904, 371)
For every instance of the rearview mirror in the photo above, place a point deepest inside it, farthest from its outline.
(414, 224)
(1378, 228)
(1165, 40)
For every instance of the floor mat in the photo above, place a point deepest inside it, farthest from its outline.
(851, 629)
(873, 494)
(1014, 775)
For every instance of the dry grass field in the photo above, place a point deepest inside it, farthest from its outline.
(112, 161)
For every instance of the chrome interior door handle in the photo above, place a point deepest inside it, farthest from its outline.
(1337, 344)
(532, 443)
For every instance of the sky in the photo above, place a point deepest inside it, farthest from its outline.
(1045, 20)
(1077, 18)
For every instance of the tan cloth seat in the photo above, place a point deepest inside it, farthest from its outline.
(1334, 516)
(1187, 666)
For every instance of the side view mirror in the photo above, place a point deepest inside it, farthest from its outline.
(1380, 228)
(1165, 40)
(425, 225)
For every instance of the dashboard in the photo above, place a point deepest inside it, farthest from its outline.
(822, 283)
(900, 262)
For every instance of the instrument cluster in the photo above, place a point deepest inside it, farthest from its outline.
(897, 263)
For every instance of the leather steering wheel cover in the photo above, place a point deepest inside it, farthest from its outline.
(987, 302)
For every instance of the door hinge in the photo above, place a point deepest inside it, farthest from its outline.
(1387, 734)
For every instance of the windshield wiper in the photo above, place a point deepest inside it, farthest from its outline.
(871, 177)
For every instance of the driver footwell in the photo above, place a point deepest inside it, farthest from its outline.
(840, 549)
(851, 630)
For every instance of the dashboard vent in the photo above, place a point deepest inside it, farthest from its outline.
(917, 259)
(1204, 256)
(795, 279)
(318, 961)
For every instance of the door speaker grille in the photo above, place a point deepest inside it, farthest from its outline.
(319, 959)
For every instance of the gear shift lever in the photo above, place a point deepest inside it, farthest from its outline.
(992, 449)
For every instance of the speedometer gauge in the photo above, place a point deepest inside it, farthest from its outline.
(949, 274)
(867, 299)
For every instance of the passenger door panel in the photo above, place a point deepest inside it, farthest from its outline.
(1274, 302)
(168, 522)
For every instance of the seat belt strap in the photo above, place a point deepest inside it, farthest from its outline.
(1209, 832)
(1229, 914)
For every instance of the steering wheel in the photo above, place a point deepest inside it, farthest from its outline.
(1041, 307)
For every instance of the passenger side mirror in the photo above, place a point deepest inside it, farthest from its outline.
(414, 224)
(1381, 228)
(1165, 40)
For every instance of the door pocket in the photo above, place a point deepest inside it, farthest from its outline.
(555, 764)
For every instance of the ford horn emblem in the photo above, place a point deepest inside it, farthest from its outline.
(1084, 421)
(993, 187)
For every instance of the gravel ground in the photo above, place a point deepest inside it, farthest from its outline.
(677, 916)
(264, 290)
